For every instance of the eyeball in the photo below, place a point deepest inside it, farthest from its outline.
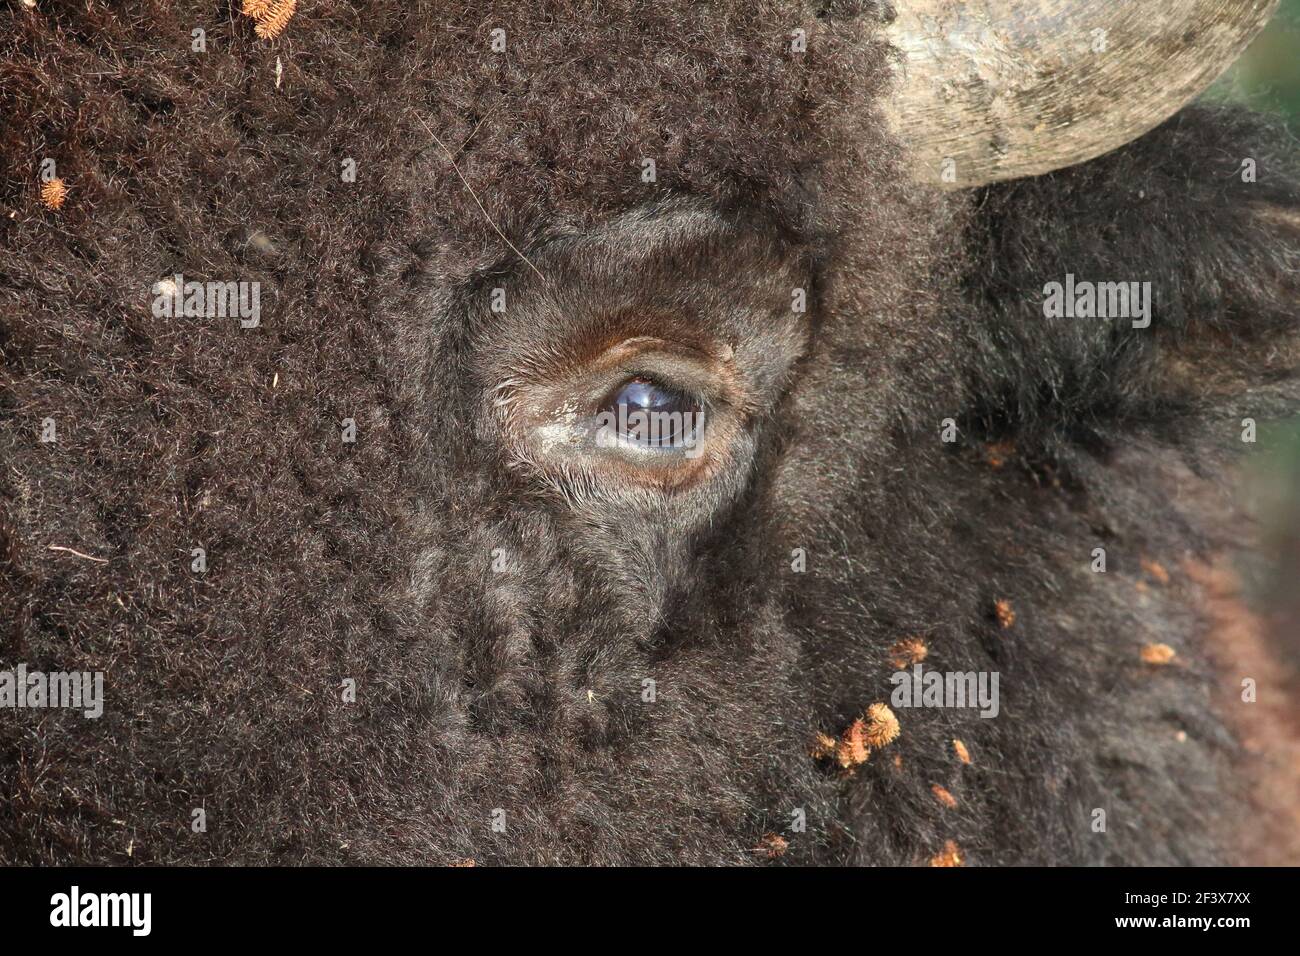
(651, 414)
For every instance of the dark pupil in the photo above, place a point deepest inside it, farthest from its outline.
(655, 414)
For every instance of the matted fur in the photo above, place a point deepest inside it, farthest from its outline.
(371, 561)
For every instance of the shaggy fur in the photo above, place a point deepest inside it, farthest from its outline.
(521, 690)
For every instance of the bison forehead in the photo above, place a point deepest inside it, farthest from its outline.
(579, 119)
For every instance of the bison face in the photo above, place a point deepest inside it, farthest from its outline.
(635, 405)
(605, 587)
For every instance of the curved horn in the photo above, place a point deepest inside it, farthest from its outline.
(996, 89)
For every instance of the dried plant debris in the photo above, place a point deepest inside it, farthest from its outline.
(908, 651)
(960, 750)
(882, 725)
(853, 749)
(272, 16)
(950, 855)
(773, 845)
(1156, 570)
(823, 746)
(1004, 612)
(877, 728)
(997, 453)
(54, 193)
(1158, 654)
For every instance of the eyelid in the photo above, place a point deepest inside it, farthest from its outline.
(550, 414)
(703, 377)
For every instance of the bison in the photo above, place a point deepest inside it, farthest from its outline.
(620, 432)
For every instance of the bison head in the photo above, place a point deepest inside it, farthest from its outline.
(405, 569)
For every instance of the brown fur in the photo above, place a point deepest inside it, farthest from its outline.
(521, 691)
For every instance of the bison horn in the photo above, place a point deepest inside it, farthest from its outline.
(996, 89)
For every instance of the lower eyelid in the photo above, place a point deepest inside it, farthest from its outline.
(663, 432)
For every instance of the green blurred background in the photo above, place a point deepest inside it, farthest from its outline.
(1268, 78)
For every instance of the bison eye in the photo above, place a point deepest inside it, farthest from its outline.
(642, 413)
(652, 414)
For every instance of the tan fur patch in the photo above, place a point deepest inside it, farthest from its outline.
(1269, 728)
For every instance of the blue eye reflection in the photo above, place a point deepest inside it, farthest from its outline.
(654, 415)
(644, 394)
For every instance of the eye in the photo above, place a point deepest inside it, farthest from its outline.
(653, 415)
(642, 413)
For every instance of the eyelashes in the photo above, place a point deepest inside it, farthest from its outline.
(643, 413)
